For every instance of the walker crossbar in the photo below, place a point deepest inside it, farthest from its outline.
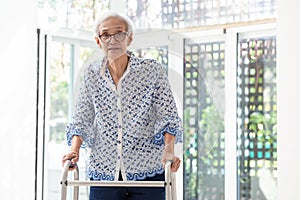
(169, 183)
(117, 183)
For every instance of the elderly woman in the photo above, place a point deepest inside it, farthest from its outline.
(126, 114)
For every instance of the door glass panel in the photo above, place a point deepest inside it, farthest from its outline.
(58, 82)
(257, 118)
(204, 144)
(61, 77)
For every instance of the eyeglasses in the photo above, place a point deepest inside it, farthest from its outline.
(119, 37)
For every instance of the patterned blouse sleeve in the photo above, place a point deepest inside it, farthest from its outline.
(83, 114)
(166, 111)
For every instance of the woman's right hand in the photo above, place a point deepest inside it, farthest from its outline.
(73, 157)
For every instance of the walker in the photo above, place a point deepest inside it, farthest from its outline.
(169, 183)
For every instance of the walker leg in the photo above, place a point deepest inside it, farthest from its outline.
(64, 181)
(76, 188)
(173, 185)
(168, 181)
(63, 192)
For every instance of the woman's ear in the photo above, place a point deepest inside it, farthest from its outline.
(98, 42)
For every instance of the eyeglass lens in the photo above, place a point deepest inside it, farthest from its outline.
(119, 37)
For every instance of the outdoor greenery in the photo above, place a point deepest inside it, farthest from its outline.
(263, 132)
(203, 147)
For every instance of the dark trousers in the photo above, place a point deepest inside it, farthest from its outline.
(129, 193)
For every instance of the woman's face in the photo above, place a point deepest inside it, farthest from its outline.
(113, 48)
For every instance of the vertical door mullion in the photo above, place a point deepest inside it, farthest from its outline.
(176, 78)
(231, 185)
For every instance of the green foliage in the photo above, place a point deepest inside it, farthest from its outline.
(211, 121)
(211, 127)
(60, 77)
(58, 110)
(263, 127)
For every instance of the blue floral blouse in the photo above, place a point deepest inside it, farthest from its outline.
(123, 126)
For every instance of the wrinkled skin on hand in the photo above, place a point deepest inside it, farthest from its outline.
(175, 161)
(73, 157)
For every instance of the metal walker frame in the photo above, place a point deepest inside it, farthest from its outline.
(169, 183)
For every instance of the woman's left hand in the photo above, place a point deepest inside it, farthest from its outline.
(175, 161)
(175, 164)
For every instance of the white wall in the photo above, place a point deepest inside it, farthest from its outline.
(288, 53)
(17, 100)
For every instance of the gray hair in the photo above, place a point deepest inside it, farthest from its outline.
(108, 14)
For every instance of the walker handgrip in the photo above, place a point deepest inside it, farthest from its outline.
(72, 165)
